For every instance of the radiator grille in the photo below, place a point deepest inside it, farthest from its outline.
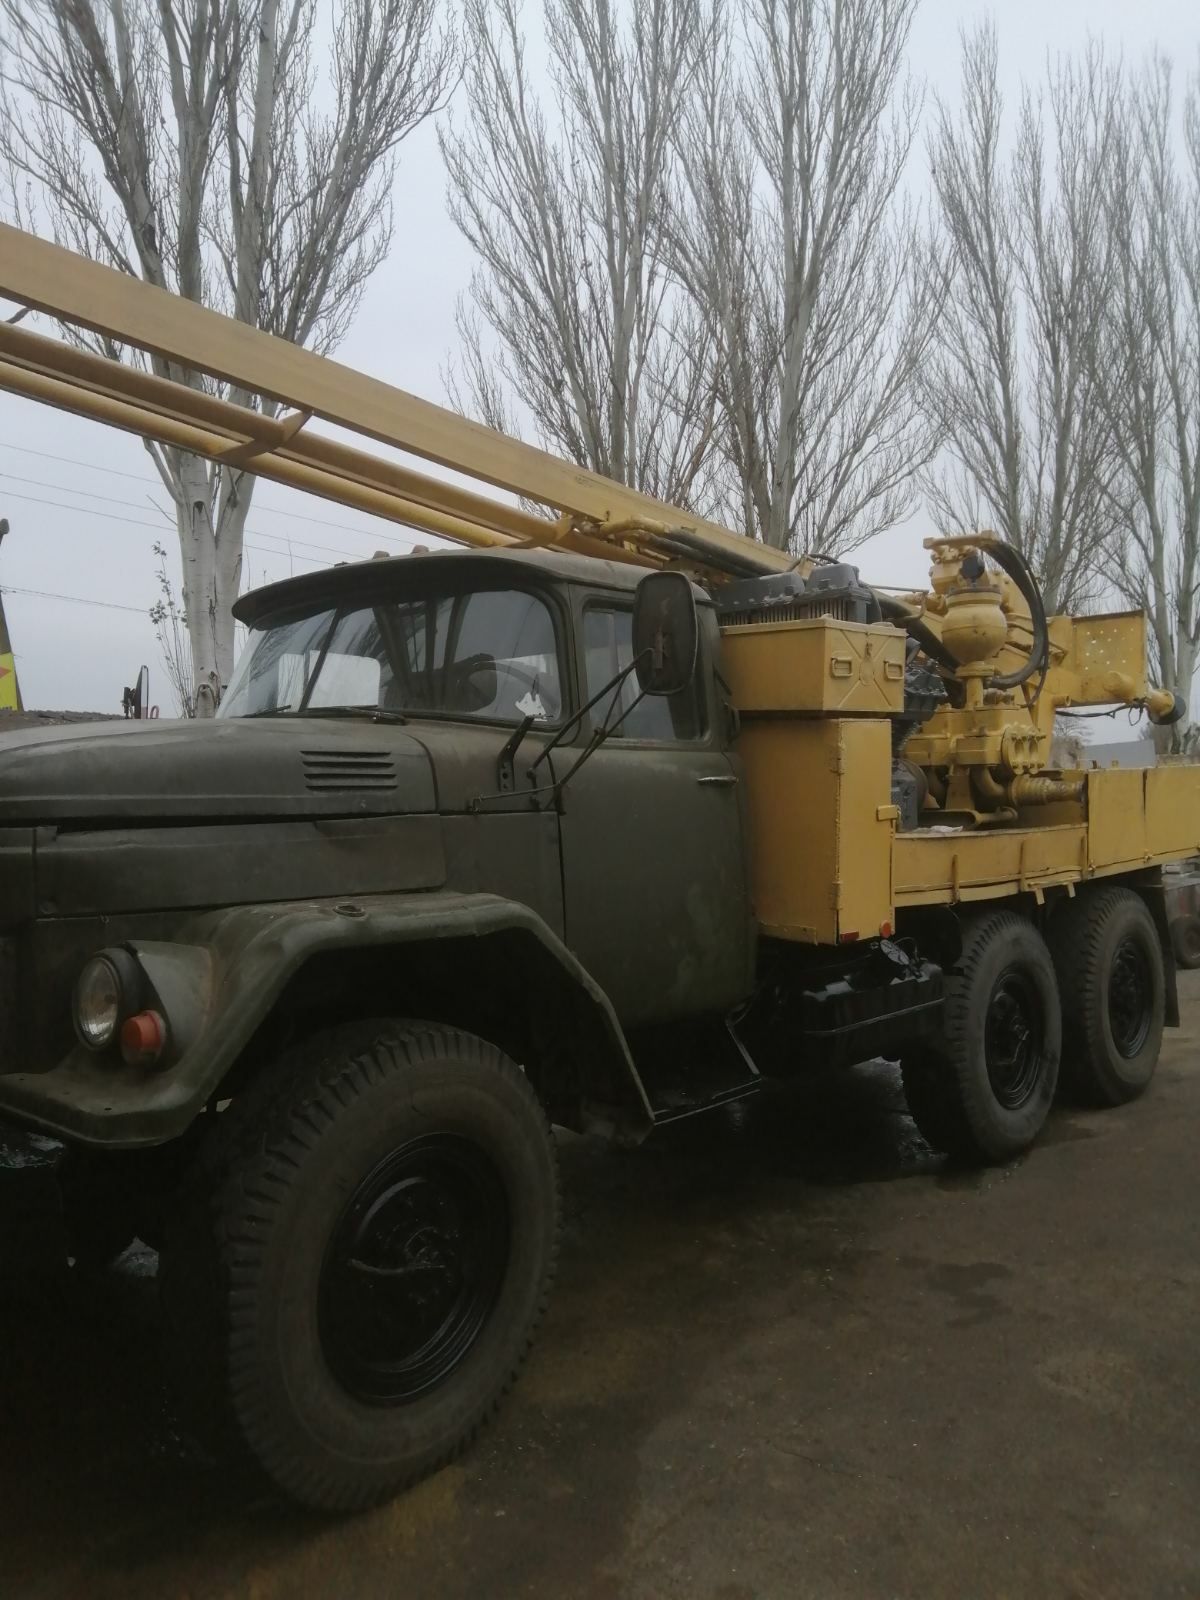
(800, 611)
(328, 771)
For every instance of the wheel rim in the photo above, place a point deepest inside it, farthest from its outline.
(1130, 998)
(1014, 1036)
(413, 1269)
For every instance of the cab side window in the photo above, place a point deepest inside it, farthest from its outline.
(608, 649)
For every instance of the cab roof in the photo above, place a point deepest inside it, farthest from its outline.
(372, 577)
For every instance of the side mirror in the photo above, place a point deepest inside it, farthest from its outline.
(666, 633)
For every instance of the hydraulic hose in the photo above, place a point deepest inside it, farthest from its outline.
(896, 611)
(1010, 560)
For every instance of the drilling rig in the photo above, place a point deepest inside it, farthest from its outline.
(605, 819)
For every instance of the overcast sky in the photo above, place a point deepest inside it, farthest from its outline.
(84, 502)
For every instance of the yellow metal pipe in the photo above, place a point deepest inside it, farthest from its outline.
(272, 447)
(68, 395)
(257, 434)
(48, 278)
(357, 465)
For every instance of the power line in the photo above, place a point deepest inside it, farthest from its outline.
(112, 500)
(140, 477)
(134, 522)
(63, 488)
(75, 599)
(109, 516)
(72, 461)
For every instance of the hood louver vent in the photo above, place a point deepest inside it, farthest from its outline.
(326, 770)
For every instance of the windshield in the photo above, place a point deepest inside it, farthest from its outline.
(489, 654)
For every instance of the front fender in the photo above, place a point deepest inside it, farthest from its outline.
(223, 975)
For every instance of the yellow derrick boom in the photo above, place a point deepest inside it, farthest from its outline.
(830, 742)
(593, 515)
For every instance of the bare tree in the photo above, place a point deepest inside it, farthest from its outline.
(572, 321)
(1013, 384)
(817, 278)
(169, 621)
(1149, 370)
(197, 145)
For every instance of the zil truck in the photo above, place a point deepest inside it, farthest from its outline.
(594, 819)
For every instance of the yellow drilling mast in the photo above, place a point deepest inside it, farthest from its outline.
(815, 691)
(590, 514)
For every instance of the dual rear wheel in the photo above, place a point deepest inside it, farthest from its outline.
(1085, 1004)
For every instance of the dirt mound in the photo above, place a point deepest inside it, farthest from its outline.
(11, 721)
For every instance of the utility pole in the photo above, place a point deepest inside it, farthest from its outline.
(10, 689)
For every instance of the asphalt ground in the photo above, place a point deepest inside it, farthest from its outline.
(789, 1355)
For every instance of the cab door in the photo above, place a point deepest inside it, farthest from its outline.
(653, 841)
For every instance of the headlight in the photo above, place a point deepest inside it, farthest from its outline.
(105, 994)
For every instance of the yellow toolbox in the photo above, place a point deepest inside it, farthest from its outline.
(815, 665)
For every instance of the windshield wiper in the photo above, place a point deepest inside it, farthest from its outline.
(371, 713)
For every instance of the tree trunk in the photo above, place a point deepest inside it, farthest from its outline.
(211, 559)
(231, 524)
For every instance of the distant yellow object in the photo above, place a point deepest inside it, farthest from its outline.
(10, 694)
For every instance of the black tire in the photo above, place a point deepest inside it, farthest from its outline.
(1110, 972)
(982, 1092)
(1185, 941)
(361, 1258)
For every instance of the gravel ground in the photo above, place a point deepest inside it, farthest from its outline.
(790, 1355)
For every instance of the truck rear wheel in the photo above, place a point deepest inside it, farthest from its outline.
(1110, 972)
(364, 1253)
(982, 1092)
(1185, 941)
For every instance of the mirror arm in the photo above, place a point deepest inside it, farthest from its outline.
(506, 773)
(609, 728)
(598, 738)
(505, 765)
(573, 722)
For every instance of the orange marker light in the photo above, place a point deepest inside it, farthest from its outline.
(143, 1039)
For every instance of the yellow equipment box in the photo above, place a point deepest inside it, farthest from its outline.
(818, 794)
(813, 665)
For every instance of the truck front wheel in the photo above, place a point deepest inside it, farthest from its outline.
(361, 1258)
(982, 1091)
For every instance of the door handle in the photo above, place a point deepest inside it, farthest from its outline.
(725, 780)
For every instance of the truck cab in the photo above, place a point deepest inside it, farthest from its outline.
(399, 740)
(463, 650)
